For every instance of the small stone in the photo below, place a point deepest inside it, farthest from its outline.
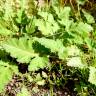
(65, 93)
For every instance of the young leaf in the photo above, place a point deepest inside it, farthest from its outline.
(73, 51)
(62, 53)
(81, 28)
(37, 63)
(42, 82)
(64, 15)
(30, 28)
(38, 78)
(76, 62)
(81, 2)
(6, 72)
(44, 74)
(46, 28)
(4, 31)
(24, 92)
(20, 49)
(44, 15)
(88, 17)
(89, 43)
(47, 25)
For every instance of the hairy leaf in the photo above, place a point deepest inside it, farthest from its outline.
(76, 62)
(53, 45)
(72, 50)
(37, 63)
(81, 28)
(6, 72)
(47, 25)
(92, 75)
(64, 15)
(20, 49)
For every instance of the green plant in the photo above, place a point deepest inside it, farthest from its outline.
(31, 36)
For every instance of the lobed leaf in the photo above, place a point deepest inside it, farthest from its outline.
(20, 49)
(53, 45)
(81, 28)
(47, 25)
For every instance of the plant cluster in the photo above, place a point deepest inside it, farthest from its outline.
(46, 44)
